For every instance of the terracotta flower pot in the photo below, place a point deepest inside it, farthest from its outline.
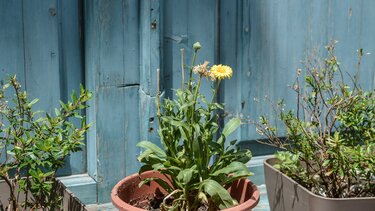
(244, 191)
(286, 194)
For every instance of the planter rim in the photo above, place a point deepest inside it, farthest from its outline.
(253, 201)
(266, 163)
(117, 200)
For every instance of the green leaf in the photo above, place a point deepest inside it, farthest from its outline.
(152, 147)
(232, 168)
(173, 122)
(32, 102)
(161, 182)
(185, 175)
(231, 126)
(219, 195)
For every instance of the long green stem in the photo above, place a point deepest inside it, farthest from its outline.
(193, 110)
(182, 70)
(215, 92)
(191, 70)
(195, 98)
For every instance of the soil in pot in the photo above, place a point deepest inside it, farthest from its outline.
(152, 202)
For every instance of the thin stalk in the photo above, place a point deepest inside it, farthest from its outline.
(195, 98)
(191, 70)
(192, 114)
(356, 76)
(182, 70)
(215, 92)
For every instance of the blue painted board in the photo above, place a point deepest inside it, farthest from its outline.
(117, 135)
(112, 71)
(184, 23)
(11, 41)
(42, 53)
(71, 72)
(91, 62)
(150, 61)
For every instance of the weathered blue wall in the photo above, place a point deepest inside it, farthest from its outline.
(265, 40)
(122, 42)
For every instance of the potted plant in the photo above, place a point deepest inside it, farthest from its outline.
(327, 161)
(33, 146)
(194, 169)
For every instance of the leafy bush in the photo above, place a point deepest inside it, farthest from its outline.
(200, 164)
(34, 146)
(330, 144)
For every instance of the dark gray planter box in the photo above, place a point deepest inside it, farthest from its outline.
(284, 194)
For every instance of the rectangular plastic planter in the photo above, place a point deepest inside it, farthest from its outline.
(284, 194)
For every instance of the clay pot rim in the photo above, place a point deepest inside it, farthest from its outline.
(119, 203)
(267, 163)
(116, 200)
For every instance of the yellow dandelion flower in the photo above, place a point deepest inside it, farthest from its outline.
(221, 71)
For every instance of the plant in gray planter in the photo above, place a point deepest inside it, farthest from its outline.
(33, 146)
(327, 161)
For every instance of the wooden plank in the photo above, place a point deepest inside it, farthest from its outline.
(150, 29)
(92, 65)
(71, 68)
(117, 135)
(367, 72)
(150, 45)
(112, 70)
(42, 53)
(181, 29)
(11, 41)
(206, 34)
(11, 45)
(350, 27)
(118, 44)
(131, 41)
(175, 37)
(230, 89)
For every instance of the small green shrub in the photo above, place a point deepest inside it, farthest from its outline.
(34, 145)
(200, 164)
(330, 144)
